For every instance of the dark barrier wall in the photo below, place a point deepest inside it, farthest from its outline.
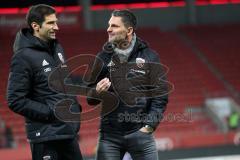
(26, 3)
(172, 17)
(166, 18)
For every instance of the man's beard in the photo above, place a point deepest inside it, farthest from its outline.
(120, 42)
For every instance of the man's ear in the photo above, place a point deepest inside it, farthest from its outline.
(35, 26)
(130, 31)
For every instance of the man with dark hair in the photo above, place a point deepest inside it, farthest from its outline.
(36, 53)
(128, 18)
(130, 70)
(37, 14)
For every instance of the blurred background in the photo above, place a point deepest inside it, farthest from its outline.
(198, 41)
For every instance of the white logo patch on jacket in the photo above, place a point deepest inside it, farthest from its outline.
(45, 63)
(47, 157)
(110, 64)
(60, 56)
(140, 62)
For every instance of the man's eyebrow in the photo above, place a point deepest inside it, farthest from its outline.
(114, 25)
(52, 21)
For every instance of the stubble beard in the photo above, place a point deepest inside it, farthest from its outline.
(118, 41)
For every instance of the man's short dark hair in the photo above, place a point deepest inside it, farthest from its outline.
(38, 12)
(128, 18)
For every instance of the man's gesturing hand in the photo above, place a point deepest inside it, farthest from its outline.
(103, 85)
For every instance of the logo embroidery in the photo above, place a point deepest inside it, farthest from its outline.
(45, 63)
(111, 64)
(138, 71)
(38, 134)
(60, 56)
(140, 62)
(47, 69)
(47, 157)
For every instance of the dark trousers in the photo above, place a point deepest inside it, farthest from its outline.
(141, 146)
(56, 150)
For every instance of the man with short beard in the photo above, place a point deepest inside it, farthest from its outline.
(127, 69)
(36, 53)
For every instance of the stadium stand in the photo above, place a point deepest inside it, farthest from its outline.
(221, 47)
(192, 79)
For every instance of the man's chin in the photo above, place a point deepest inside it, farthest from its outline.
(110, 40)
(52, 38)
(116, 41)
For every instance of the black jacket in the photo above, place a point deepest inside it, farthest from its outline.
(139, 85)
(28, 90)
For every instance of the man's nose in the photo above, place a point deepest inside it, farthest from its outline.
(109, 29)
(55, 27)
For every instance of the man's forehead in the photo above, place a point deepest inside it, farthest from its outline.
(114, 19)
(51, 17)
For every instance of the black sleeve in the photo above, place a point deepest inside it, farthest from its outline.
(97, 74)
(18, 92)
(159, 97)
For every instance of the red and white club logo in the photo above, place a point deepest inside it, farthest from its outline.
(140, 62)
